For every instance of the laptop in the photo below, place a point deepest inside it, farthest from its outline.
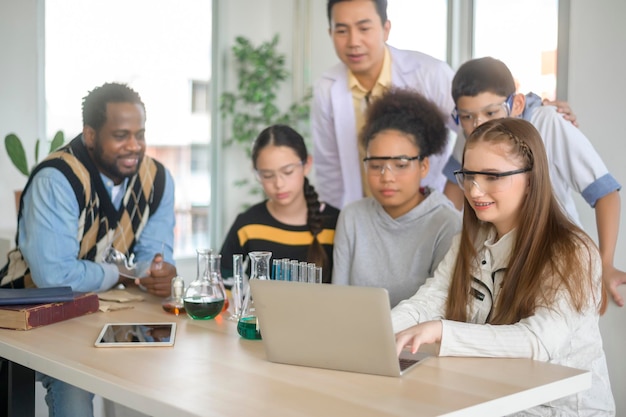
(346, 328)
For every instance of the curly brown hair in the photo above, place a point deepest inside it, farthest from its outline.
(408, 112)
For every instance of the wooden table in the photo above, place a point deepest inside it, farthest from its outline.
(211, 371)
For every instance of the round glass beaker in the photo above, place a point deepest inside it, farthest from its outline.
(204, 298)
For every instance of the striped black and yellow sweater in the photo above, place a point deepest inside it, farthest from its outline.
(256, 230)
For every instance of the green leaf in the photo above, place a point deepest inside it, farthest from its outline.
(16, 153)
(241, 182)
(37, 151)
(57, 141)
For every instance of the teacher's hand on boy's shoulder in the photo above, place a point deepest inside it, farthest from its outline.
(564, 108)
(428, 332)
(159, 278)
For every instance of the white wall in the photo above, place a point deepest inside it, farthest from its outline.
(259, 23)
(322, 50)
(597, 93)
(19, 88)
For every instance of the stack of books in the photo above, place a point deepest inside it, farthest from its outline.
(27, 308)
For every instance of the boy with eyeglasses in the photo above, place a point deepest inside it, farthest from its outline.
(484, 89)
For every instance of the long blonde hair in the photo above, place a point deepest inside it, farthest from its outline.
(550, 254)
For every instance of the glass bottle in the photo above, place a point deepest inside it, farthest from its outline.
(215, 270)
(174, 303)
(248, 326)
(204, 298)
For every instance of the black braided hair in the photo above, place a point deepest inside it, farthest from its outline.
(316, 252)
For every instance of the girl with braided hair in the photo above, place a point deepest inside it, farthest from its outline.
(396, 238)
(291, 223)
(521, 280)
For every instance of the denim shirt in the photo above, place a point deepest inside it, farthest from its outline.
(49, 238)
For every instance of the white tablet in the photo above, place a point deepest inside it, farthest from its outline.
(136, 335)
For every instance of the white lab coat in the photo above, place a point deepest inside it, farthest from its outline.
(336, 157)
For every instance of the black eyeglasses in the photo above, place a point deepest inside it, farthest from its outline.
(486, 181)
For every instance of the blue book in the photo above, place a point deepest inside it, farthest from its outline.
(22, 296)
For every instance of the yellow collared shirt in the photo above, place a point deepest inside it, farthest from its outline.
(361, 99)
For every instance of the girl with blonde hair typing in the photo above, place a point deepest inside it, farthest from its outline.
(521, 280)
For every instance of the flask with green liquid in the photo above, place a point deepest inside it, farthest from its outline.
(204, 298)
(248, 326)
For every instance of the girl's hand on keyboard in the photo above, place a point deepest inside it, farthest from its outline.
(423, 333)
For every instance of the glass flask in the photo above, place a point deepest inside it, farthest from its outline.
(215, 270)
(204, 298)
(174, 303)
(248, 326)
(237, 290)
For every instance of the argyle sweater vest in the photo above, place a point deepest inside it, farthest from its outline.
(100, 223)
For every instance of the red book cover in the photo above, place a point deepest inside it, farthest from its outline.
(25, 317)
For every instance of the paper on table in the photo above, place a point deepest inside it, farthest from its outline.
(120, 296)
(113, 306)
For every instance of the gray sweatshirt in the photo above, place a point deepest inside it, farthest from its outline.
(372, 249)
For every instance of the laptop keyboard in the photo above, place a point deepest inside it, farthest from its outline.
(405, 363)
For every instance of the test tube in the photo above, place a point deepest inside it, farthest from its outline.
(294, 270)
(284, 268)
(302, 272)
(237, 290)
(311, 273)
(276, 269)
(318, 275)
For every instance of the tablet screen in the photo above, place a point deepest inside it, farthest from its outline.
(136, 334)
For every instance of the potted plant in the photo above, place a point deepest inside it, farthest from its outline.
(17, 155)
(15, 150)
(252, 107)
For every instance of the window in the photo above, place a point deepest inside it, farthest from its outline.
(523, 35)
(419, 25)
(199, 96)
(162, 50)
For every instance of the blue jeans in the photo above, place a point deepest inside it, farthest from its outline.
(65, 400)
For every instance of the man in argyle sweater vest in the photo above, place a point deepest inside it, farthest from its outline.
(100, 190)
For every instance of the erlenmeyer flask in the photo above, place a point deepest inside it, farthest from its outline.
(248, 326)
(204, 298)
